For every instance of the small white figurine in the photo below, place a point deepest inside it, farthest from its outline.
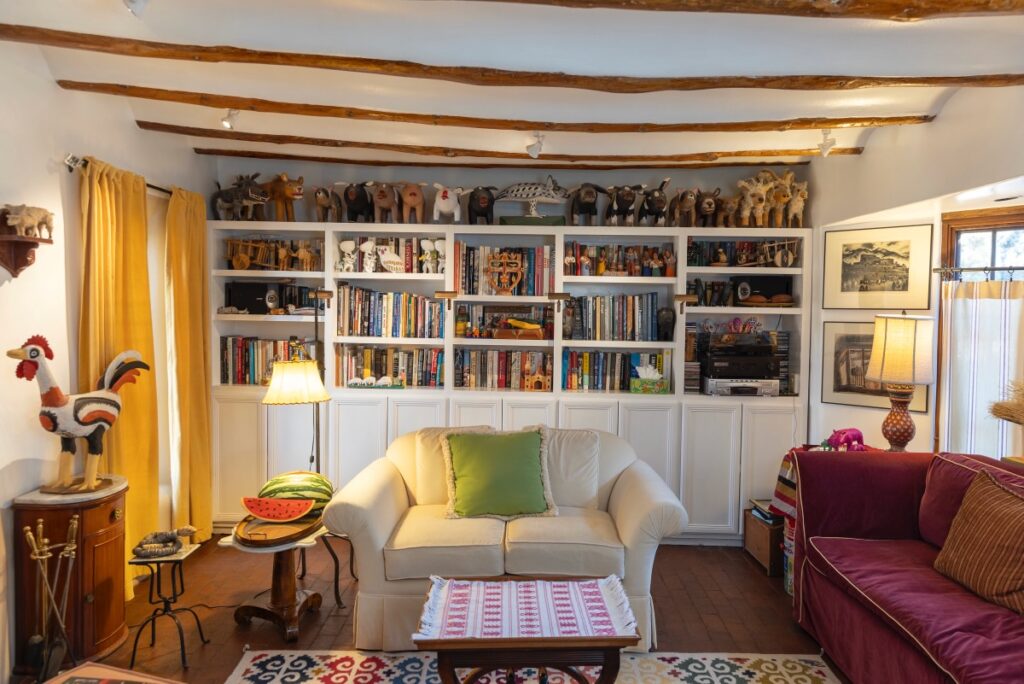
(347, 250)
(447, 202)
(428, 256)
(441, 246)
(391, 262)
(29, 221)
(369, 250)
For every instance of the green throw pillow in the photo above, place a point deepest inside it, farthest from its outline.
(497, 474)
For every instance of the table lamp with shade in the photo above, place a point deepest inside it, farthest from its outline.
(901, 359)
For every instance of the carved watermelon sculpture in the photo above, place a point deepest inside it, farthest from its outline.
(277, 510)
(300, 484)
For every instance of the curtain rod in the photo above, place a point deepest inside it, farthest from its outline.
(73, 162)
(976, 269)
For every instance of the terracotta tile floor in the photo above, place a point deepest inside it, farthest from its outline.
(707, 599)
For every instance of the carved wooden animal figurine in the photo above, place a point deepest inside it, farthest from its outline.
(481, 205)
(621, 210)
(682, 210)
(29, 221)
(447, 202)
(727, 209)
(347, 252)
(583, 207)
(358, 203)
(429, 256)
(238, 202)
(795, 210)
(707, 206)
(282, 191)
(778, 197)
(385, 202)
(158, 544)
(369, 250)
(752, 199)
(391, 262)
(654, 204)
(328, 204)
(533, 193)
(411, 200)
(305, 256)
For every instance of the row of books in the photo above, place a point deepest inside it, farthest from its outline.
(609, 371)
(500, 369)
(621, 317)
(414, 367)
(408, 249)
(473, 274)
(249, 360)
(369, 313)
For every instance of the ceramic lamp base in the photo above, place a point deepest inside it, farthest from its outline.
(898, 427)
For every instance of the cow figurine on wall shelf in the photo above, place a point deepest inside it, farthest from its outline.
(621, 209)
(385, 202)
(707, 207)
(238, 202)
(583, 206)
(282, 192)
(327, 204)
(682, 209)
(410, 200)
(448, 203)
(480, 205)
(653, 205)
(358, 202)
(29, 221)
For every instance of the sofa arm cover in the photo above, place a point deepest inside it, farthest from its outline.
(367, 510)
(645, 511)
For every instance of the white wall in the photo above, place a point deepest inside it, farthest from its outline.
(40, 126)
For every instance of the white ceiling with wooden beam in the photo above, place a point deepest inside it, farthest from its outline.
(292, 110)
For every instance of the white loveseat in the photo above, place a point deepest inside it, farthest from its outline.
(613, 511)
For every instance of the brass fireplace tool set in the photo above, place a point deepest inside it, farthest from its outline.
(50, 645)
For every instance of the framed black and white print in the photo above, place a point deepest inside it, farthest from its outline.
(846, 351)
(878, 268)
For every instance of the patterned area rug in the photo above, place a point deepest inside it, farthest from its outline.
(339, 667)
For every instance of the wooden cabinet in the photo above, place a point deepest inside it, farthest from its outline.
(769, 431)
(290, 437)
(468, 411)
(96, 607)
(410, 413)
(763, 542)
(652, 429)
(596, 414)
(239, 450)
(520, 412)
(359, 428)
(710, 481)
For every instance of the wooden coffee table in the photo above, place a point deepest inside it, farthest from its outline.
(506, 627)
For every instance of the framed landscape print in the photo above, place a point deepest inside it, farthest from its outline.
(878, 268)
(846, 351)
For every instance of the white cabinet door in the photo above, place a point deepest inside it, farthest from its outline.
(408, 414)
(290, 438)
(652, 428)
(468, 411)
(359, 436)
(710, 482)
(769, 431)
(239, 452)
(595, 414)
(519, 412)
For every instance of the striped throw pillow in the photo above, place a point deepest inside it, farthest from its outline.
(985, 547)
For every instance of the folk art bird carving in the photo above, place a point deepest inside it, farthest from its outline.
(88, 415)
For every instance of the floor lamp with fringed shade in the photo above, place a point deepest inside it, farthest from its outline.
(901, 358)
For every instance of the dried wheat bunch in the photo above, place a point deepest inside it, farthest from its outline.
(1013, 409)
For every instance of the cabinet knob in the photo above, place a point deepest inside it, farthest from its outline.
(89, 598)
(117, 514)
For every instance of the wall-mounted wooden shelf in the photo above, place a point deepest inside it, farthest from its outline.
(18, 253)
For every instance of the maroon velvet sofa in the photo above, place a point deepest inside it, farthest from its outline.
(869, 526)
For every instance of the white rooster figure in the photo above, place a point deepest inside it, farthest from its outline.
(87, 415)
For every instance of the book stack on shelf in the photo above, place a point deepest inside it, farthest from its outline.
(249, 360)
(691, 365)
(471, 274)
(599, 371)
(368, 313)
(652, 261)
(421, 368)
(500, 369)
(622, 317)
(408, 249)
(760, 509)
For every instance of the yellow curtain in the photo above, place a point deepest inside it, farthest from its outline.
(115, 316)
(189, 380)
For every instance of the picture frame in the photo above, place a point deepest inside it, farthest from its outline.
(845, 352)
(878, 268)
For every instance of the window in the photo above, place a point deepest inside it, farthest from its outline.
(985, 239)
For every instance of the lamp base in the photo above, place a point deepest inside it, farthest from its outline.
(898, 427)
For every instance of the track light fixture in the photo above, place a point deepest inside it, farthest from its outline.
(827, 142)
(136, 7)
(534, 148)
(229, 119)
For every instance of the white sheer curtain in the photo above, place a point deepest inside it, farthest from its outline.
(983, 330)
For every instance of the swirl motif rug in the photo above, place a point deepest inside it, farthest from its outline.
(340, 667)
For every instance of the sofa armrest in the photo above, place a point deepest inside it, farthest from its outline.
(367, 509)
(645, 511)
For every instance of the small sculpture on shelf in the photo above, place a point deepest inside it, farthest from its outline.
(448, 203)
(534, 193)
(654, 204)
(656, 264)
(753, 195)
(389, 261)
(670, 263)
(328, 205)
(707, 207)
(683, 208)
(779, 196)
(284, 256)
(238, 202)
(29, 221)
(584, 265)
(21, 232)
(305, 256)
(727, 209)
(347, 254)
(504, 272)
(369, 250)
(442, 248)
(412, 201)
(429, 256)
(795, 210)
(282, 192)
(385, 202)
(583, 207)
(481, 205)
(621, 210)
(602, 263)
(666, 323)
(358, 202)
(160, 544)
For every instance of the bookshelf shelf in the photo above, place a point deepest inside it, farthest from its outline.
(490, 342)
(614, 344)
(390, 341)
(739, 270)
(427, 230)
(744, 310)
(745, 233)
(267, 226)
(263, 275)
(259, 318)
(617, 280)
(384, 276)
(499, 299)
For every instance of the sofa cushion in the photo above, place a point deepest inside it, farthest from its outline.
(426, 542)
(984, 550)
(949, 476)
(573, 467)
(969, 638)
(580, 541)
(431, 486)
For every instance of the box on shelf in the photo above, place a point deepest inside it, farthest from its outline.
(642, 386)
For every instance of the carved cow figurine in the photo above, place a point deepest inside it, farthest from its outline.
(621, 210)
(328, 204)
(239, 202)
(795, 210)
(358, 203)
(778, 197)
(682, 210)
(29, 221)
(727, 209)
(447, 202)
(411, 199)
(753, 195)
(481, 205)
(282, 192)
(385, 202)
(583, 206)
(654, 204)
(707, 207)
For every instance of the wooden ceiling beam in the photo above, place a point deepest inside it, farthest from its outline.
(252, 104)
(439, 151)
(481, 76)
(891, 10)
(260, 154)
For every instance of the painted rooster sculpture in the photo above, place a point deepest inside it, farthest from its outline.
(87, 415)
